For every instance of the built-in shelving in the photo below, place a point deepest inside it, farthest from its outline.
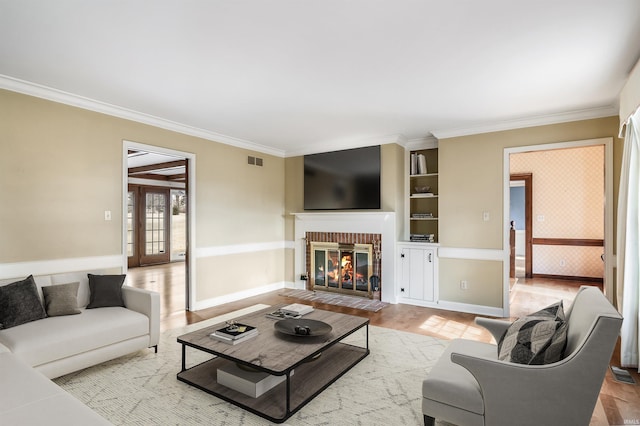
(418, 257)
(423, 194)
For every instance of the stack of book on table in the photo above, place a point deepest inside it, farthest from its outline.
(295, 310)
(235, 333)
(278, 314)
(251, 383)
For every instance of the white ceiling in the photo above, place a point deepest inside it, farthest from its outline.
(291, 77)
(143, 158)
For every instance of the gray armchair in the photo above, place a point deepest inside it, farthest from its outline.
(470, 386)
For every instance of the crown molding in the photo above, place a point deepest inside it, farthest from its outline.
(60, 96)
(55, 95)
(341, 144)
(541, 120)
(421, 143)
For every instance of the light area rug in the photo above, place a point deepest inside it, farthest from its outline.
(141, 389)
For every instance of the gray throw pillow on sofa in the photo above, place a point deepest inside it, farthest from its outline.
(20, 303)
(105, 291)
(61, 299)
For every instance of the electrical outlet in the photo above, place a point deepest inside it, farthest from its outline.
(107, 215)
(464, 285)
(486, 216)
(563, 262)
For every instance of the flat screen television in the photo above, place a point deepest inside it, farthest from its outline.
(342, 180)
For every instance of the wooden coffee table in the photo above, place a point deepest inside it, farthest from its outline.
(309, 364)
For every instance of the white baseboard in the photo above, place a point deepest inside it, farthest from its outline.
(456, 307)
(414, 302)
(297, 285)
(233, 297)
(491, 311)
(59, 266)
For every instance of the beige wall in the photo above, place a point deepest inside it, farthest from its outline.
(61, 168)
(294, 190)
(481, 277)
(239, 203)
(59, 171)
(393, 181)
(471, 182)
(239, 272)
(294, 202)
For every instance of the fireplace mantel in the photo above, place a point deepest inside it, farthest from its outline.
(383, 223)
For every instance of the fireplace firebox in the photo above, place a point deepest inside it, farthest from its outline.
(344, 267)
(341, 266)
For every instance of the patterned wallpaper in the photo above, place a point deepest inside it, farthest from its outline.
(568, 202)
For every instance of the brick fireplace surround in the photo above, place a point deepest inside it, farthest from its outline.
(380, 223)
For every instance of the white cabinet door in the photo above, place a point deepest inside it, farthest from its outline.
(417, 273)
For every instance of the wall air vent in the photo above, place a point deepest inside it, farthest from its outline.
(254, 161)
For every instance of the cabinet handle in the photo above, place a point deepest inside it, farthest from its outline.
(402, 255)
(429, 257)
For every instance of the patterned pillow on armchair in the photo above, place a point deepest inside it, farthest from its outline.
(538, 338)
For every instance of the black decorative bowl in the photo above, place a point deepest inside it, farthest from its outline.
(302, 327)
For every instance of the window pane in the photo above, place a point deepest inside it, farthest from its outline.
(346, 271)
(333, 268)
(155, 214)
(131, 200)
(362, 271)
(319, 273)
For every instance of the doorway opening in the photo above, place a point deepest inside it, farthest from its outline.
(520, 220)
(159, 220)
(569, 216)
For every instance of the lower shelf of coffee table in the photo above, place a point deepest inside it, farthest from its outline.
(307, 381)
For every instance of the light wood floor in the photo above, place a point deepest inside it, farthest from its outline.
(618, 404)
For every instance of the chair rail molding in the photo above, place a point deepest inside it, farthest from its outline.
(59, 266)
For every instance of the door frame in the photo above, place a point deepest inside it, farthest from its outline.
(190, 261)
(609, 261)
(527, 178)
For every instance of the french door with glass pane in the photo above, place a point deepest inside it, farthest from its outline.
(148, 226)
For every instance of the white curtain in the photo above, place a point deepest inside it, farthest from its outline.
(628, 250)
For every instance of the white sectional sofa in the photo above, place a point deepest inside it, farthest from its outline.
(57, 345)
(29, 398)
